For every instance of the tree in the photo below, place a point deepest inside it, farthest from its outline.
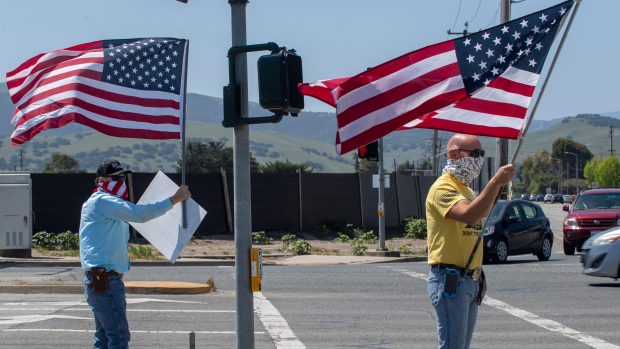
(365, 166)
(589, 171)
(563, 145)
(537, 173)
(210, 157)
(406, 167)
(608, 172)
(61, 163)
(284, 167)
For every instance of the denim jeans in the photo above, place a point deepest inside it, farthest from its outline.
(456, 317)
(110, 310)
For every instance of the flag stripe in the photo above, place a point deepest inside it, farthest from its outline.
(395, 65)
(471, 128)
(402, 92)
(513, 86)
(436, 94)
(366, 135)
(496, 95)
(388, 82)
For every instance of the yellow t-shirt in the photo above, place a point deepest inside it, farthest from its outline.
(450, 241)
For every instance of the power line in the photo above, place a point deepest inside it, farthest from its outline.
(458, 12)
(476, 13)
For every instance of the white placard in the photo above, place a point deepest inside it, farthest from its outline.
(166, 232)
(386, 181)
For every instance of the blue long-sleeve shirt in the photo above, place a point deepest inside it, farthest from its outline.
(104, 232)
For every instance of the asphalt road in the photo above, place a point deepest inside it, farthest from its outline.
(530, 304)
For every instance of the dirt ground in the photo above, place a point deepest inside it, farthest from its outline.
(224, 245)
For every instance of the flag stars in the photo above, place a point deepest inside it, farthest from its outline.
(528, 41)
(467, 41)
(562, 11)
(486, 35)
(516, 35)
(509, 47)
(478, 47)
(487, 82)
(539, 46)
(501, 59)
(504, 29)
(489, 53)
(523, 23)
(469, 58)
(497, 41)
(495, 71)
(482, 65)
(476, 76)
(543, 17)
(532, 63)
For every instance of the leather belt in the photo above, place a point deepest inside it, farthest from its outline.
(474, 274)
(99, 271)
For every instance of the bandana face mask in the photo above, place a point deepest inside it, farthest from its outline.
(464, 170)
(116, 188)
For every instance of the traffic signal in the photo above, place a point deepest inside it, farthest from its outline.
(278, 76)
(369, 151)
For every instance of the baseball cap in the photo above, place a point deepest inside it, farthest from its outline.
(110, 168)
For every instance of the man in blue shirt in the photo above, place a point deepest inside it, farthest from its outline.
(104, 234)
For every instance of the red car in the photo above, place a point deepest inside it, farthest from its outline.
(593, 211)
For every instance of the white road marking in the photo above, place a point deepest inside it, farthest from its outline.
(16, 320)
(534, 319)
(276, 326)
(83, 302)
(132, 331)
(128, 310)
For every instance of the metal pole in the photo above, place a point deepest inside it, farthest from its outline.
(183, 121)
(435, 151)
(380, 209)
(502, 143)
(242, 195)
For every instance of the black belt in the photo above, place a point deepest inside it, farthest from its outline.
(98, 271)
(441, 266)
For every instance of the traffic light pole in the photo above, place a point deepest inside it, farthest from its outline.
(242, 189)
(380, 208)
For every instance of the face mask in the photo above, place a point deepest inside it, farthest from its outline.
(464, 169)
(116, 188)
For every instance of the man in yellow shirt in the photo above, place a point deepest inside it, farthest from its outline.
(453, 216)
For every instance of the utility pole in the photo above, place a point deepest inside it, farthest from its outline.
(502, 143)
(611, 139)
(21, 159)
(242, 189)
(380, 204)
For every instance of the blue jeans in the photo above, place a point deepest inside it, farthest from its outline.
(110, 310)
(456, 317)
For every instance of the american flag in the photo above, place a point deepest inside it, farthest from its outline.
(124, 88)
(478, 84)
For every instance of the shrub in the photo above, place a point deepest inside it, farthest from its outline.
(261, 238)
(343, 237)
(288, 239)
(367, 237)
(358, 248)
(140, 252)
(405, 249)
(415, 228)
(298, 247)
(66, 241)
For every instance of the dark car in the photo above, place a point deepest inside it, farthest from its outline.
(540, 197)
(517, 227)
(558, 198)
(594, 210)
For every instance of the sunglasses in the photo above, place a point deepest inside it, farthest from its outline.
(118, 177)
(475, 153)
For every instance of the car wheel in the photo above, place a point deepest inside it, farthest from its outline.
(501, 252)
(569, 249)
(545, 250)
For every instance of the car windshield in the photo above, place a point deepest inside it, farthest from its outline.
(497, 211)
(597, 201)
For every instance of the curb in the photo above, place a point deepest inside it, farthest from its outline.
(131, 287)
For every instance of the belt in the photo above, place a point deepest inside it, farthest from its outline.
(99, 270)
(474, 274)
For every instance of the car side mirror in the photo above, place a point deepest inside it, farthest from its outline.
(566, 207)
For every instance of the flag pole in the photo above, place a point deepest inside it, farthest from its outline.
(524, 131)
(183, 118)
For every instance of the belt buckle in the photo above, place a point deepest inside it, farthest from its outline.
(475, 275)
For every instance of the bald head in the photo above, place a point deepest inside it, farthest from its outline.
(459, 143)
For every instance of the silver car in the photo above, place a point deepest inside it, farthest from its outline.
(601, 254)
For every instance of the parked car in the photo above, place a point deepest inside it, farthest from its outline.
(567, 199)
(540, 197)
(601, 254)
(517, 227)
(532, 197)
(548, 198)
(558, 198)
(525, 197)
(594, 210)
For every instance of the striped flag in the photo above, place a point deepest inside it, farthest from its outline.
(479, 84)
(124, 88)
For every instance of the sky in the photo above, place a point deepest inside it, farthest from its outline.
(335, 38)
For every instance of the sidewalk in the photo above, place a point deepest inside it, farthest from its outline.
(70, 283)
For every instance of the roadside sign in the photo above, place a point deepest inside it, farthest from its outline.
(386, 181)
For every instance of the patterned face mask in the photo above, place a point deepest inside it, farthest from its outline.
(116, 188)
(464, 169)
